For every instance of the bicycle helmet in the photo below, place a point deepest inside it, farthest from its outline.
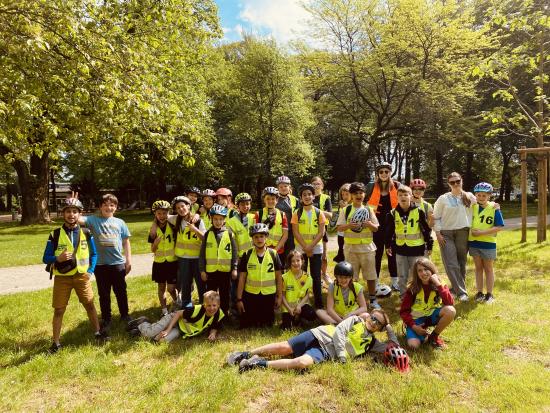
(259, 229)
(306, 187)
(224, 192)
(161, 204)
(382, 290)
(483, 187)
(72, 203)
(270, 190)
(417, 183)
(383, 165)
(209, 192)
(194, 190)
(282, 180)
(360, 216)
(242, 197)
(180, 198)
(218, 210)
(343, 269)
(397, 357)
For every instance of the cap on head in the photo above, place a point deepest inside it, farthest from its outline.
(357, 187)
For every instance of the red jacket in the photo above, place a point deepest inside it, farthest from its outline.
(408, 300)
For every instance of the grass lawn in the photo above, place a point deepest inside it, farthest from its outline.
(25, 245)
(498, 359)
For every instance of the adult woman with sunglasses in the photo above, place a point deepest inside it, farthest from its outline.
(452, 221)
(382, 197)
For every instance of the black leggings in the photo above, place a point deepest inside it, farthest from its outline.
(378, 238)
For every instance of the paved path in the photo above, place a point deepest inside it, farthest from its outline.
(33, 277)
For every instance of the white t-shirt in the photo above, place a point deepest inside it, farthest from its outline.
(450, 213)
(357, 247)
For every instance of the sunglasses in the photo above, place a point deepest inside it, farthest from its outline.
(455, 182)
(376, 321)
(384, 172)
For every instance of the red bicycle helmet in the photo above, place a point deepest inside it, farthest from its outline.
(417, 183)
(396, 356)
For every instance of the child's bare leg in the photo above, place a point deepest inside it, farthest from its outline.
(282, 348)
(161, 290)
(301, 362)
(325, 317)
(414, 343)
(489, 275)
(446, 317)
(56, 323)
(478, 261)
(92, 315)
(172, 291)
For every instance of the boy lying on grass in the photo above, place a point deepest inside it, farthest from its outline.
(189, 322)
(353, 337)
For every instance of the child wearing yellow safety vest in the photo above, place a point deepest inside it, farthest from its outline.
(287, 204)
(408, 235)
(323, 202)
(359, 247)
(418, 187)
(189, 322)
(308, 226)
(71, 256)
(260, 287)
(345, 297)
(193, 194)
(275, 220)
(208, 197)
(352, 338)
(297, 286)
(165, 262)
(344, 199)
(427, 302)
(218, 257)
(482, 246)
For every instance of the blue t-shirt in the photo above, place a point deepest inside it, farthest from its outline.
(499, 222)
(108, 234)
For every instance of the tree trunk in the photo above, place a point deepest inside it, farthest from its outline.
(9, 204)
(54, 191)
(439, 184)
(505, 177)
(33, 181)
(467, 179)
(408, 156)
(415, 158)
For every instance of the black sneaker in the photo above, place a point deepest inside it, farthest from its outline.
(105, 325)
(102, 336)
(136, 322)
(126, 318)
(236, 357)
(134, 332)
(54, 348)
(479, 297)
(255, 362)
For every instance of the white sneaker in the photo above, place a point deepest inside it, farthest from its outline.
(463, 298)
(395, 284)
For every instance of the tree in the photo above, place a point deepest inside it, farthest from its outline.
(99, 75)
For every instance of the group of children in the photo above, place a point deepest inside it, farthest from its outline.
(248, 265)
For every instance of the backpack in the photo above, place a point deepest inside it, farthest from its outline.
(300, 211)
(55, 241)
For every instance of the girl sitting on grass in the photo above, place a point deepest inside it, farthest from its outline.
(427, 302)
(344, 298)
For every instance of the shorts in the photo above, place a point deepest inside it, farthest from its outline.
(486, 254)
(364, 262)
(430, 320)
(64, 284)
(306, 343)
(165, 272)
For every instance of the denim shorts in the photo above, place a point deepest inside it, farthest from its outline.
(306, 343)
(486, 254)
(430, 320)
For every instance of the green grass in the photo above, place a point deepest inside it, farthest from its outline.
(24, 245)
(498, 359)
(512, 209)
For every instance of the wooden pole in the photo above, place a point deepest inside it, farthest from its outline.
(523, 157)
(544, 196)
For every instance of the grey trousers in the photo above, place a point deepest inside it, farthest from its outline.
(151, 330)
(454, 255)
(404, 267)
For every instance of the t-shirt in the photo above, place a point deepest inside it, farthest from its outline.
(318, 248)
(499, 222)
(345, 291)
(328, 203)
(108, 234)
(243, 262)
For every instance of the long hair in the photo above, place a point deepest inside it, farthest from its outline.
(343, 188)
(415, 284)
(384, 185)
(291, 255)
(464, 196)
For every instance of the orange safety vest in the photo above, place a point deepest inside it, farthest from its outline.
(374, 200)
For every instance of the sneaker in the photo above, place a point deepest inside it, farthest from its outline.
(374, 305)
(479, 297)
(126, 318)
(463, 298)
(255, 362)
(105, 325)
(54, 348)
(134, 332)
(136, 322)
(394, 284)
(102, 336)
(489, 298)
(436, 342)
(236, 357)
